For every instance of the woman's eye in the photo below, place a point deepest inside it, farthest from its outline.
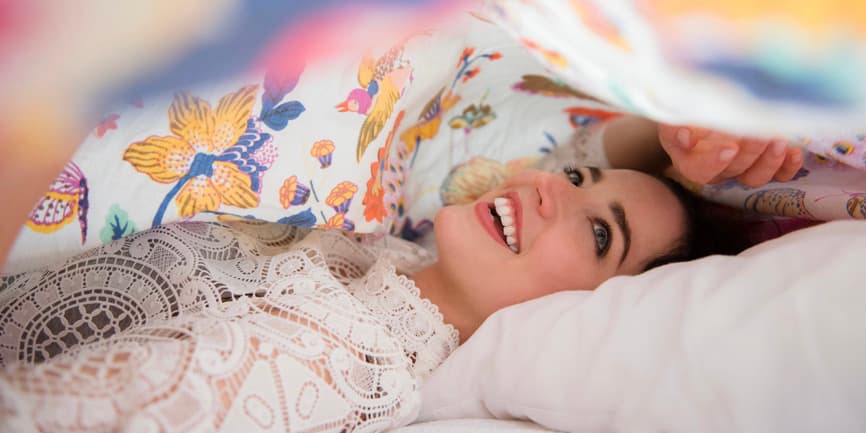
(574, 176)
(601, 231)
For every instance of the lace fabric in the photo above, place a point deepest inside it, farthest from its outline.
(210, 327)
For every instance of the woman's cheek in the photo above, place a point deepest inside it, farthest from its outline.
(449, 228)
(562, 267)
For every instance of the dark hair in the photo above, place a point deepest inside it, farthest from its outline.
(709, 229)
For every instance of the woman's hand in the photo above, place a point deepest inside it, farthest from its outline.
(707, 156)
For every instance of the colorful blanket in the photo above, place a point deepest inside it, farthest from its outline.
(377, 139)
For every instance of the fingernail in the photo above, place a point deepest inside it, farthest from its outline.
(779, 147)
(684, 137)
(727, 154)
(797, 157)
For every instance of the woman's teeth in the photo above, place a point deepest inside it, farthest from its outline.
(505, 210)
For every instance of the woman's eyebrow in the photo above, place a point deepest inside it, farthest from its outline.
(622, 222)
(595, 174)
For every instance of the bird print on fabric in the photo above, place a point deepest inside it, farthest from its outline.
(384, 196)
(382, 82)
(428, 122)
(430, 119)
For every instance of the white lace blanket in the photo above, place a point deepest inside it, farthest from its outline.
(206, 327)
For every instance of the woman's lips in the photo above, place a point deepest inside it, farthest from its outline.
(482, 211)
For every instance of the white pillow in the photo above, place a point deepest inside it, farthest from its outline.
(771, 340)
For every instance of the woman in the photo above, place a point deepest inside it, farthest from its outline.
(212, 327)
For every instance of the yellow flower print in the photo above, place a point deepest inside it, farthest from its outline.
(341, 196)
(207, 156)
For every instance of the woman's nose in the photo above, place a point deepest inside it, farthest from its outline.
(550, 190)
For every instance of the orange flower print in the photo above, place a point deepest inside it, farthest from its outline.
(464, 73)
(293, 192)
(470, 73)
(107, 123)
(323, 151)
(465, 55)
(341, 196)
(338, 222)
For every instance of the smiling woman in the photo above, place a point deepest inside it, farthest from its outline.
(541, 233)
(268, 311)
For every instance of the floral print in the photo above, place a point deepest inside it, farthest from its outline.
(108, 123)
(473, 117)
(117, 225)
(214, 157)
(380, 162)
(277, 84)
(341, 196)
(323, 151)
(293, 193)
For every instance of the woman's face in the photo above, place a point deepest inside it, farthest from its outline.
(568, 231)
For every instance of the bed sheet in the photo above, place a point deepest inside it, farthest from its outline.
(474, 425)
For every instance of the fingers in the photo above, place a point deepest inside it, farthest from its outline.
(792, 164)
(706, 156)
(682, 137)
(706, 160)
(750, 150)
(766, 165)
(698, 154)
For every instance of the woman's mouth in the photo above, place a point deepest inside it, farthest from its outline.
(502, 220)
